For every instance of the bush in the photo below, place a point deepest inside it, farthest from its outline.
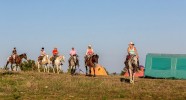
(28, 65)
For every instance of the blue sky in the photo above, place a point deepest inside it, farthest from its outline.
(155, 26)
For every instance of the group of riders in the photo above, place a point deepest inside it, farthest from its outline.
(131, 51)
(73, 54)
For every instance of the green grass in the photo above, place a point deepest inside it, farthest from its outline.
(44, 86)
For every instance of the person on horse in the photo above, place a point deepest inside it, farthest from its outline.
(72, 55)
(89, 53)
(55, 55)
(131, 51)
(14, 54)
(42, 54)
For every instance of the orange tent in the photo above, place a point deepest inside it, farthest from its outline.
(99, 70)
(140, 73)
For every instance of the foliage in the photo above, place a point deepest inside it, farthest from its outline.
(28, 65)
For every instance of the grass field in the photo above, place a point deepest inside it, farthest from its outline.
(44, 86)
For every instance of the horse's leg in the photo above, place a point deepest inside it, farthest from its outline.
(53, 68)
(21, 67)
(133, 77)
(134, 71)
(90, 71)
(86, 70)
(57, 69)
(44, 68)
(94, 72)
(6, 65)
(11, 67)
(130, 74)
(38, 67)
(47, 68)
(16, 67)
(74, 69)
(71, 70)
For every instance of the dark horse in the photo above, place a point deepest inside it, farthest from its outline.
(17, 61)
(91, 62)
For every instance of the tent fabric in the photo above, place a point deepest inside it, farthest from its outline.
(139, 73)
(165, 66)
(99, 70)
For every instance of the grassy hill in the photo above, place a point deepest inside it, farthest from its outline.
(44, 86)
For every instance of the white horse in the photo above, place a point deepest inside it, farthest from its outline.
(45, 62)
(132, 65)
(58, 63)
(73, 62)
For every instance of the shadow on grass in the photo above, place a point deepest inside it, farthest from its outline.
(124, 80)
(167, 78)
(9, 73)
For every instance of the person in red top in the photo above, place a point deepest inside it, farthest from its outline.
(55, 54)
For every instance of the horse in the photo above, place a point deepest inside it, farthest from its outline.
(18, 60)
(131, 65)
(73, 62)
(91, 62)
(45, 61)
(58, 63)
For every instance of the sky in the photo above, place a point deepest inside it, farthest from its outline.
(155, 26)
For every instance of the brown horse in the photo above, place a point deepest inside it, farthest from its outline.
(17, 61)
(91, 62)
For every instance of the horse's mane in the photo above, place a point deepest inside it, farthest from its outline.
(96, 55)
(22, 54)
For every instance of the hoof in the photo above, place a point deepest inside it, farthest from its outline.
(132, 82)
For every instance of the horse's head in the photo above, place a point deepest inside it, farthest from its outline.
(23, 56)
(95, 58)
(133, 60)
(62, 58)
(46, 57)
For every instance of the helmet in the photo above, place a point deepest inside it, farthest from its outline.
(14, 47)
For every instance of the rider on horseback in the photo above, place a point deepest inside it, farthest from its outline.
(42, 54)
(55, 55)
(14, 54)
(131, 51)
(73, 54)
(89, 53)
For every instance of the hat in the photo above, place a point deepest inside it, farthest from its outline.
(131, 43)
(42, 48)
(89, 46)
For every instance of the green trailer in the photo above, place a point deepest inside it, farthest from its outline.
(165, 66)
